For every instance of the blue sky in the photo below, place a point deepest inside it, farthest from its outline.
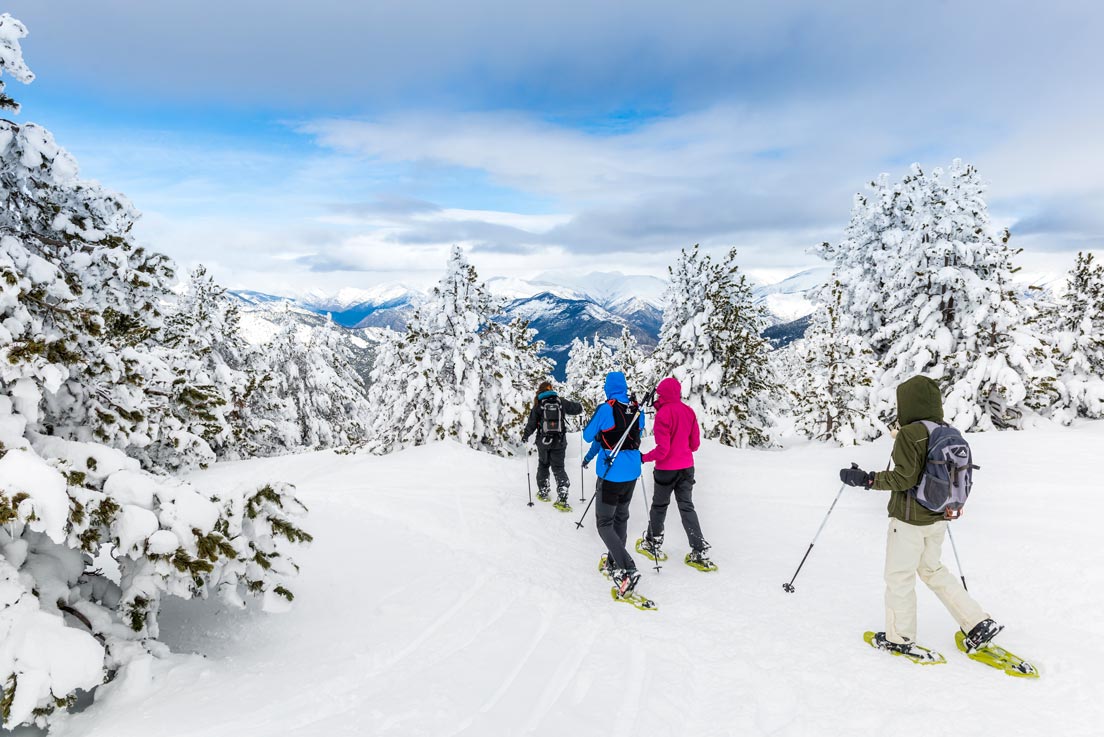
(292, 146)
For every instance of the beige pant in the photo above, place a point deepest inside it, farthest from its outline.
(913, 549)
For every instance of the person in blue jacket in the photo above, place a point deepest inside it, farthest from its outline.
(617, 475)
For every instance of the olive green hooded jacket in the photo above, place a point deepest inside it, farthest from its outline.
(917, 399)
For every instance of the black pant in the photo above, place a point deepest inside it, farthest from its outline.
(552, 458)
(682, 484)
(612, 515)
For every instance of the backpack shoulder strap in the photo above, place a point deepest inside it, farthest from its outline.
(930, 426)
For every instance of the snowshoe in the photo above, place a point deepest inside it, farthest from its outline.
(912, 651)
(697, 559)
(561, 503)
(637, 600)
(544, 495)
(605, 568)
(650, 549)
(997, 657)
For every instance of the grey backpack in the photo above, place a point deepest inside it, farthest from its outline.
(948, 471)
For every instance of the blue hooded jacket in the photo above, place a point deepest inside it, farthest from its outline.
(626, 466)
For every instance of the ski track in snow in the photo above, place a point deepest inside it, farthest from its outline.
(429, 631)
(435, 602)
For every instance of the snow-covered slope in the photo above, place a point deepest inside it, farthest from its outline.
(610, 288)
(791, 298)
(435, 602)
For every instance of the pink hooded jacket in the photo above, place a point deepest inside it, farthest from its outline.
(676, 430)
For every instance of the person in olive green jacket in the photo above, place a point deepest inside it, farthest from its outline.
(915, 541)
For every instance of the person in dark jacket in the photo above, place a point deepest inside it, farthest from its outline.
(617, 474)
(551, 442)
(915, 541)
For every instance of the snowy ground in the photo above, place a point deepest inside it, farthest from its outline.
(435, 602)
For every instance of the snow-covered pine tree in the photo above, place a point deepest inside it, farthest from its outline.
(630, 359)
(710, 342)
(457, 372)
(831, 379)
(1076, 327)
(587, 365)
(315, 377)
(81, 309)
(928, 285)
(863, 262)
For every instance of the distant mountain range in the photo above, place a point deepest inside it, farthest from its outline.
(559, 306)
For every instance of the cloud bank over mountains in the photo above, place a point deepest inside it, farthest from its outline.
(354, 143)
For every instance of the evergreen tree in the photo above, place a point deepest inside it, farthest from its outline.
(84, 365)
(1077, 326)
(928, 285)
(710, 342)
(587, 365)
(457, 372)
(629, 358)
(831, 379)
(317, 382)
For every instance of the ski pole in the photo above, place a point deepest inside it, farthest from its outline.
(528, 476)
(958, 562)
(647, 516)
(597, 487)
(582, 475)
(789, 587)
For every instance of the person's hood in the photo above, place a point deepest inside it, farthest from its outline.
(616, 387)
(919, 399)
(669, 391)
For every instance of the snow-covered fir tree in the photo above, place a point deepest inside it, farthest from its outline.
(457, 372)
(710, 342)
(237, 396)
(928, 285)
(316, 379)
(1076, 328)
(83, 366)
(830, 378)
(630, 359)
(588, 362)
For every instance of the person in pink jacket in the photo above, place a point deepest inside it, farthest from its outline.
(677, 436)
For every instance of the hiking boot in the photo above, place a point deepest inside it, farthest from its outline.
(698, 559)
(981, 635)
(625, 581)
(910, 650)
(882, 643)
(561, 496)
(544, 494)
(652, 542)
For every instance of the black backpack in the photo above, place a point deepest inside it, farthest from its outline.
(623, 414)
(551, 420)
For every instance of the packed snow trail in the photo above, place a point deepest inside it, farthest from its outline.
(435, 602)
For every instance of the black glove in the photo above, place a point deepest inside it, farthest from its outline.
(855, 476)
(586, 464)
